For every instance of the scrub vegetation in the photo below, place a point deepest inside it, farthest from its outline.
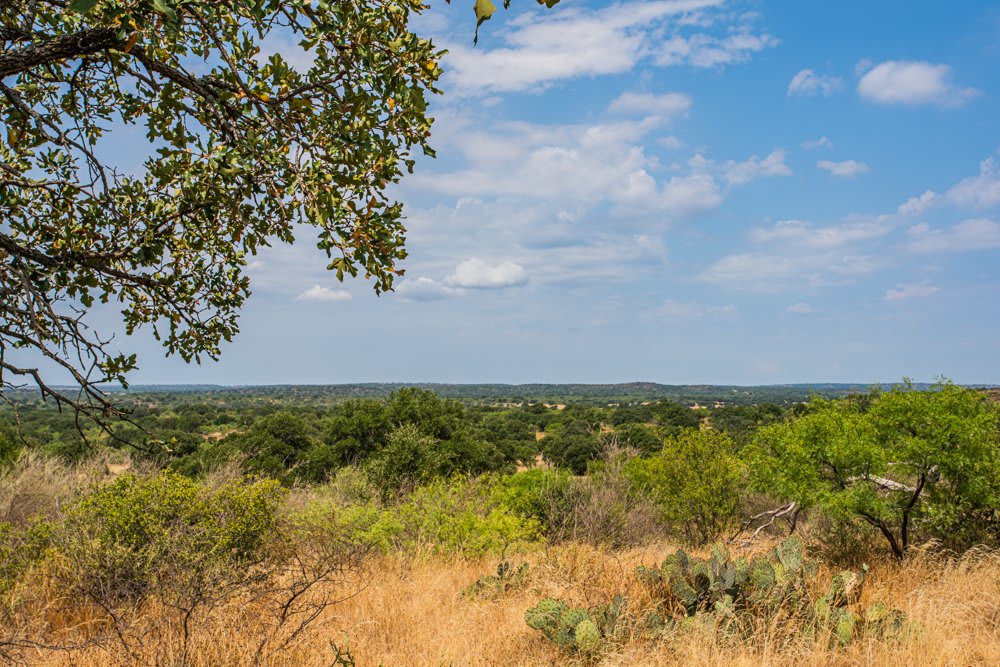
(420, 530)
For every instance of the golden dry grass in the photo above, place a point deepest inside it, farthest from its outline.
(408, 611)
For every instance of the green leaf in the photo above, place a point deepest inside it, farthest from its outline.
(162, 7)
(548, 3)
(484, 10)
(82, 6)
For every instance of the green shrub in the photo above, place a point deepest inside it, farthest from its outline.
(448, 516)
(452, 516)
(696, 480)
(9, 445)
(164, 533)
(545, 496)
(909, 464)
(281, 446)
(572, 447)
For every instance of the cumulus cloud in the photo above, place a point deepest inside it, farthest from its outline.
(475, 273)
(540, 48)
(910, 291)
(808, 82)
(915, 206)
(667, 105)
(975, 234)
(738, 173)
(320, 293)
(845, 169)
(800, 308)
(913, 83)
(978, 192)
(586, 166)
(822, 142)
(423, 289)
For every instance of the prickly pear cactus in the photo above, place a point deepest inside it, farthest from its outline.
(506, 579)
(735, 594)
(587, 636)
(573, 628)
(734, 589)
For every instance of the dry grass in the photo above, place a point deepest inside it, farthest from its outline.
(38, 486)
(408, 611)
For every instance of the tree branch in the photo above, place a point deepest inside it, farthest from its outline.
(63, 47)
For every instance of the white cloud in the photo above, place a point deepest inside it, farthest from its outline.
(423, 289)
(845, 169)
(711, 51)
(775, 271)
(975, 234)
(580, 166)
(808, 82)
(910, 291)
(804, 235)
(540, 48)
(670, 143)
(915, 206)
(320, 293)
(800, 308)
(738, 173)
(475, 273)
(978, 192)
(822, 142)
(676, 310)
(683, 196)
(667, 105)
(913, 83)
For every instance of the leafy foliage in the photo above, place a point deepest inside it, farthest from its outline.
(696, 480)
(448, 516)
(134, 535)
(245, 144)
(904, 462)
(573, 446)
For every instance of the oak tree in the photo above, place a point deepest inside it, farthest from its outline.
(258, 116)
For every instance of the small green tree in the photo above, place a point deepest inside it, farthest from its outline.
(696, 480)
(281, 446)
(899, 461)
(572, 447)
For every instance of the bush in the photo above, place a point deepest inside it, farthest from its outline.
(545, 496)
(281, 446)
(447, 516)
(164, 533)
(696, 481)
(9, 445)
(572, 447)
(909, 464)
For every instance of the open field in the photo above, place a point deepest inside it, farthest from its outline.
(409, 610)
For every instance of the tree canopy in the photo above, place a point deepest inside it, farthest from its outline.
(904, 462)
(243, 144)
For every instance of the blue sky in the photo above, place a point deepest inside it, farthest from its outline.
(681, 191)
